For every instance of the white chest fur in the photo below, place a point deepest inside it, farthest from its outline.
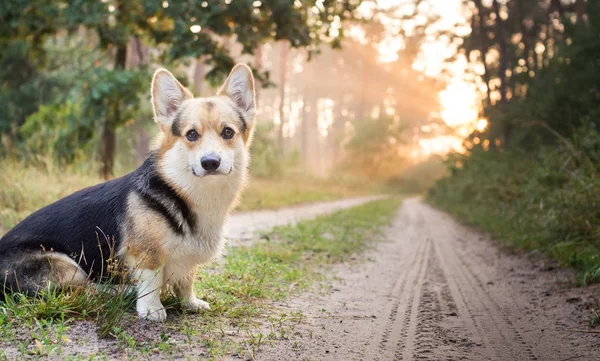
(205, 243)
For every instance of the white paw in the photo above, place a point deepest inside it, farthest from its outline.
(196, 305)
(153, 313)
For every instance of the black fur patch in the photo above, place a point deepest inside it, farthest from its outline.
(162, 198)
(155, 205)
(243, 125)
(176, 126)
(84, 226)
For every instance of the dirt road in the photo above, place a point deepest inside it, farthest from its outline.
(242, 226)
(439, 291)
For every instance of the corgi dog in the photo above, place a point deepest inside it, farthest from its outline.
(159, 222)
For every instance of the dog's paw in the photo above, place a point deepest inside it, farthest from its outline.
(196, 305)
(153, 313)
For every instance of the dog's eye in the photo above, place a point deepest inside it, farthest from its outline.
(227, 133)
(192, 135)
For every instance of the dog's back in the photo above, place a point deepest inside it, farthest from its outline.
(67, 240)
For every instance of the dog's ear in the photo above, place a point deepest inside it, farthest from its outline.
(239, 87)
(167, 96)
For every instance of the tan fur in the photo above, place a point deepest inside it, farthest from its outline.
(146, 231)
(63, 270)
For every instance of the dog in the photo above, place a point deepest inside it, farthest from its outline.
(159, 222)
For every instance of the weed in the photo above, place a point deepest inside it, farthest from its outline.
(595, 317)
(544, 200)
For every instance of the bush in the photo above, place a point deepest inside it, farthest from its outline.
(547, 199)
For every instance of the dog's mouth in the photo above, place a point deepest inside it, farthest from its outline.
(212, 172)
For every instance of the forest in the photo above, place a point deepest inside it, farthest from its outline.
(424, 176)
(347, 92)
(532, 176)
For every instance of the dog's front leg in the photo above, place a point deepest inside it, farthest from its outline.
(148, 305)
(184, 289)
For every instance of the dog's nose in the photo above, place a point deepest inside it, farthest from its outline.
(210, 162)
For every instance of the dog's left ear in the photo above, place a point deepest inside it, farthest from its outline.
(239, 87)
(167, 96)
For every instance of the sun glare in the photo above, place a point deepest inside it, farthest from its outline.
(460, 98)
(458, 103)
(482, 124)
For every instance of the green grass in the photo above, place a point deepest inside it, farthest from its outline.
(545, 201)
(241, 289)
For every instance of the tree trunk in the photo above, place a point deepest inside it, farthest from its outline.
(258, 66)
(282, 83)
(199, 73)
(557, 5)
(336, 134)
(502, 65)
(109, 136)
(502, 61)
(526, 40)
(580, 10)
(304, 128)
(137, 54)
(483, 48)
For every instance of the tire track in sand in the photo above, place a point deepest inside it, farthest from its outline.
(394, 330)
(479, 311)
(439, 291)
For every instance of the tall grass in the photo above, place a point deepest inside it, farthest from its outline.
(24, 189)
(546, 199)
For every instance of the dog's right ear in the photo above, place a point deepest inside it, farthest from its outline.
(167, 96)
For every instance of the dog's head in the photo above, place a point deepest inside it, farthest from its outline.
(204, 137)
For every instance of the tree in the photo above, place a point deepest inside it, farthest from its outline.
(182, 29)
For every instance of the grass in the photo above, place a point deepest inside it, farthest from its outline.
(545, 201)
(25, 189)
(595, 318)
(241, 289)
(289, 190)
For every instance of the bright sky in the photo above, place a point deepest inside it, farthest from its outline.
(459, 100)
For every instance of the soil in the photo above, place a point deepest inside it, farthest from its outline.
(440, 291)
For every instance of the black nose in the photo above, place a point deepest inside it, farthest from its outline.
(210, 162)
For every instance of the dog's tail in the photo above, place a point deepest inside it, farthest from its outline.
(31, 272)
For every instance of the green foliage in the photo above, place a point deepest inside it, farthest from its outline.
(562, 95)
(106, 93)
(538, 187)
(54, 129)
(548, 199)
(267, 160)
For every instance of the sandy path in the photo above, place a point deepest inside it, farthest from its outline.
(243, 226)
(439, 291)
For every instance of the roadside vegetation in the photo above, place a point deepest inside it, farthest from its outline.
(241, 289)
(532, 177)
(25, 188)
